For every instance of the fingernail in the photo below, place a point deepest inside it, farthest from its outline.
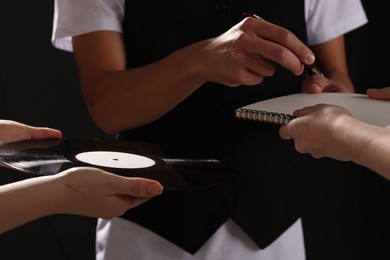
(155, 189)
(302, 70)
(310, 58)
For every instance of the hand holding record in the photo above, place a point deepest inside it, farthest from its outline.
(86, 191)
(12, 131)
(172, 167)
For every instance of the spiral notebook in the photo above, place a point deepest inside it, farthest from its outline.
(279, 110)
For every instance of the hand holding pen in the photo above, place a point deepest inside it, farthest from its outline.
(245, 54)
(312, 68)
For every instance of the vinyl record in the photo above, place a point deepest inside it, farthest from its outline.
(174, 168)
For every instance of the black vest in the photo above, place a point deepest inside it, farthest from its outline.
(263, 196)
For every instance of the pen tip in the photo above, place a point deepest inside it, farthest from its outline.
(248, 14)
(313, 69)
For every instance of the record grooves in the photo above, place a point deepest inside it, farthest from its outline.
(174, 168)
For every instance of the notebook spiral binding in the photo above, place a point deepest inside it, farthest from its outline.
(263, 116)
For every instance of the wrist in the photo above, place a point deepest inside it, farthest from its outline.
(192, 64)
(356, 138)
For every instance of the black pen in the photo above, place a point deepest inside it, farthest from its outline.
(311, 68)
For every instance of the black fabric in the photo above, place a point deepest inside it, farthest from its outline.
(269, 183)
(187, 218)
(262, 197)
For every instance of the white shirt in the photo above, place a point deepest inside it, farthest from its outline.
(324, 19)
(119, 239)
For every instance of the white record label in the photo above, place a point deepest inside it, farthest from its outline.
(115, 159)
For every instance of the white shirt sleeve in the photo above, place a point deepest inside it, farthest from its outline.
(75, 17)
(327, 19)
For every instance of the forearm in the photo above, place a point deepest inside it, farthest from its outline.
(332, 60)
(133, 97)
(23, 201)
(367, 145)
(119, 98)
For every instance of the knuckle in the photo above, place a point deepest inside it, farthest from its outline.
(280, 53)
(135, 189)
(240, 41)
(300, 148)
(285, 36)
(247, 23)
(239, 57)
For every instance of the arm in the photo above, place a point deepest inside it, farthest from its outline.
(331, 131)
(243, 55)
(331, 60)
(12, 131)
(83, 191)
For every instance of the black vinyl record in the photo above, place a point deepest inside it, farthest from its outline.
(174, 168)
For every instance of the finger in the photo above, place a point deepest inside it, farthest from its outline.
(271, 51)
(382, 94)
(255, 63)
(253, 68)
(283, 132)
(251, 78)
(44, 133)
(316, 155)
(314, 84)
(285, 38)
(139, 187)
(245, 76)
(279, 45)
(304, 111)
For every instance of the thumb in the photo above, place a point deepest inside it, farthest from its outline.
(44, 133)
(139, 187)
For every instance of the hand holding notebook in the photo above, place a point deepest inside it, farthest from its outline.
(279, 110)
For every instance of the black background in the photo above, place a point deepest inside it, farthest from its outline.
(39, 86)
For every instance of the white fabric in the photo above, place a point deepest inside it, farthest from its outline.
(119, 239)
(325, 20)
(126, 240)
